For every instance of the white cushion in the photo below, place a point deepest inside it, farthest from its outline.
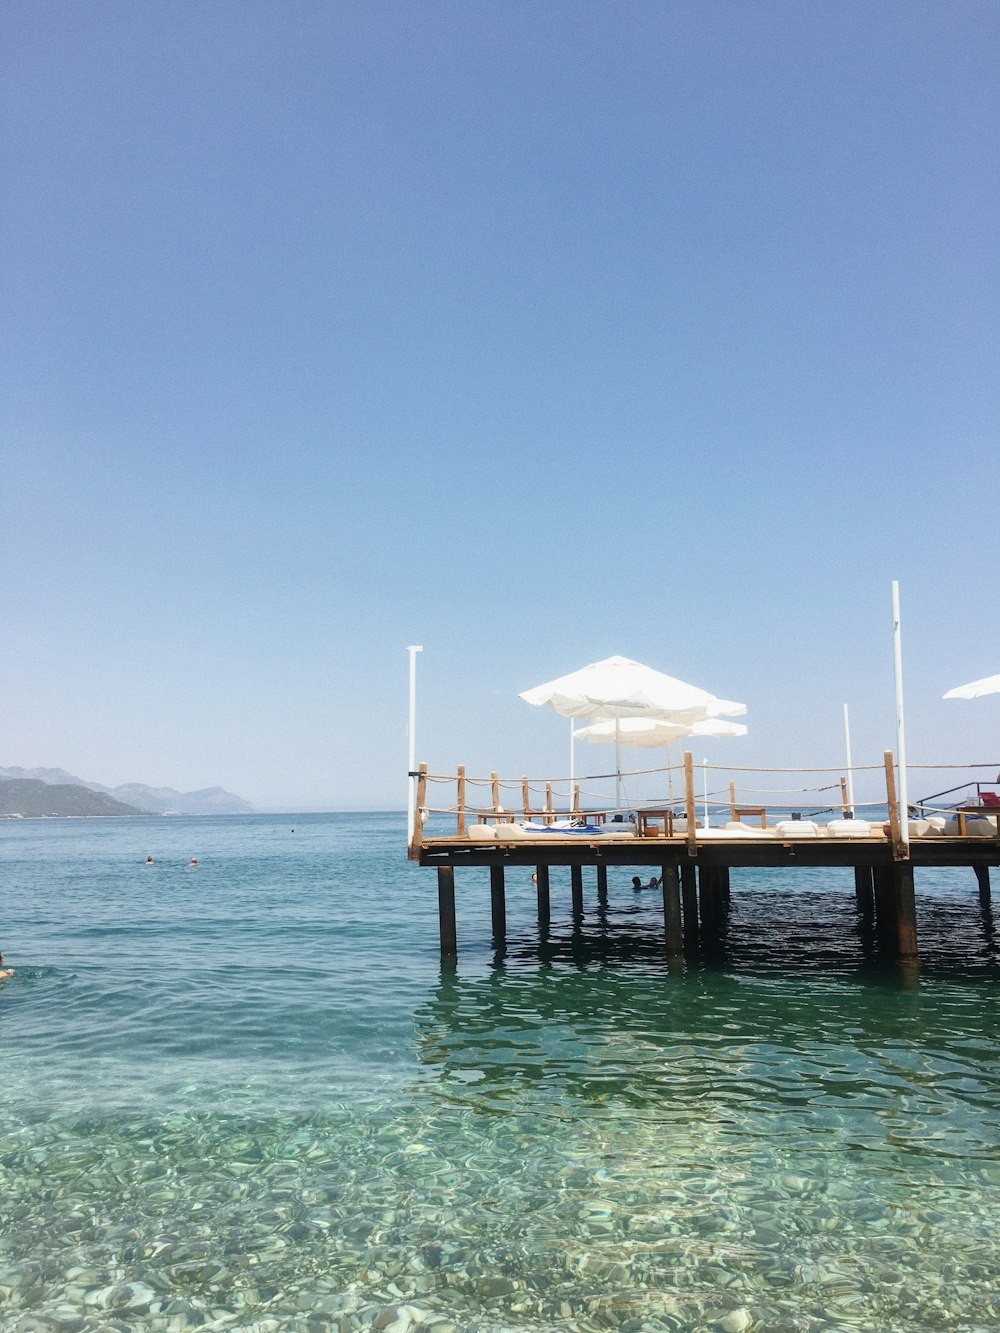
(481, 833)
(849, 828)
(796, 828)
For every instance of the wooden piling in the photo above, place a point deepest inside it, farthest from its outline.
(602, 884)
(576, 880)
(460, 799)
(498, 903)
(542, 887)
(707, 897)
(864, 889)
(905, 909)
(689, 899)
(446, 913)
(673, 928)
(983, 876)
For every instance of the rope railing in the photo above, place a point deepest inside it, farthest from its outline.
(499, 800)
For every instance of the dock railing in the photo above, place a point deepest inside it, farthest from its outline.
(742, 798)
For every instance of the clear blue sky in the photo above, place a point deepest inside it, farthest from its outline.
(531, 332)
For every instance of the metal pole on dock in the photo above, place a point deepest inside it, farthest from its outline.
(904, 808)
(411, 731)
(850, 771)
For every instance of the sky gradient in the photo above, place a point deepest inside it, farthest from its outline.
(530, 332)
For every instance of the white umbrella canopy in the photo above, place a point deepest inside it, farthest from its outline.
(617, 687)
(651, 733)
(976, 688)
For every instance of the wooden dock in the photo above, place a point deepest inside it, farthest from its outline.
(693, 864)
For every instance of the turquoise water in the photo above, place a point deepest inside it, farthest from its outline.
(243, 1095)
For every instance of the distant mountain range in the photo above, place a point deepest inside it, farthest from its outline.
(27, 798)
(131, 797)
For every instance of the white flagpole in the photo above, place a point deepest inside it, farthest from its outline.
(897, 653)
(850, 773)
(572, 748)
(411, 731)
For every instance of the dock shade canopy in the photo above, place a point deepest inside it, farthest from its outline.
(617, 687)
(651, 734)
(974, 690)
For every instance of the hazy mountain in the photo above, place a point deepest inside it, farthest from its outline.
(35, 799)
(166, 801)
(148, 800)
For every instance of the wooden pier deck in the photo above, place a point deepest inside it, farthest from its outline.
(693, 865)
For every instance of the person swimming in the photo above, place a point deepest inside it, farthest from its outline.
(150, 861)
(5, 971)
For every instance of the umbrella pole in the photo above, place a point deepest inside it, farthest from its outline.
(618, 764)
(850, 771)
(572, 736)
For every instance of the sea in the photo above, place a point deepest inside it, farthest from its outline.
(245, 1094)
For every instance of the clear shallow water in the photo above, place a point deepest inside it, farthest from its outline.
(244, 1095)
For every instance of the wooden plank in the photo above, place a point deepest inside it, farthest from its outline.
(692, 841)
(461, 801)
(446, 914)
(498, 903)
(672, 925)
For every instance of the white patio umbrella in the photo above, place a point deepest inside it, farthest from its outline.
(974, 690)
(651, 734)
(617, 688)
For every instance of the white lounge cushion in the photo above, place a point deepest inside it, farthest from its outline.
(796, 828)
(740, 830)
(512, 833)
(481, 833)
(849, 828)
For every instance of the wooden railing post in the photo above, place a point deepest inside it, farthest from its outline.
(576, 798)
(495, 787)
(848, 812)
(526, 798)
(692, 841)
(548, 802)
(732, 801)
(418, 814)
(461, 800)
(899, 848)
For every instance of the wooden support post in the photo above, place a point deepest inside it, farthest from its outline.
(418, 814)
(498, 903)
(576, 880)
(899, 848)
(495, 788)
(884, 903)
(526, 798)
(864, 889)
(732, 801)
(602, 884)
(446, 913)
(461, 801)
(983, 876)
(692, 841)
(689, 898)
(707, 897)
(673, 928)
(542, 885)
(848, 813)
(905, 909)
(576, 798)
(723, 874)
(548, 802)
